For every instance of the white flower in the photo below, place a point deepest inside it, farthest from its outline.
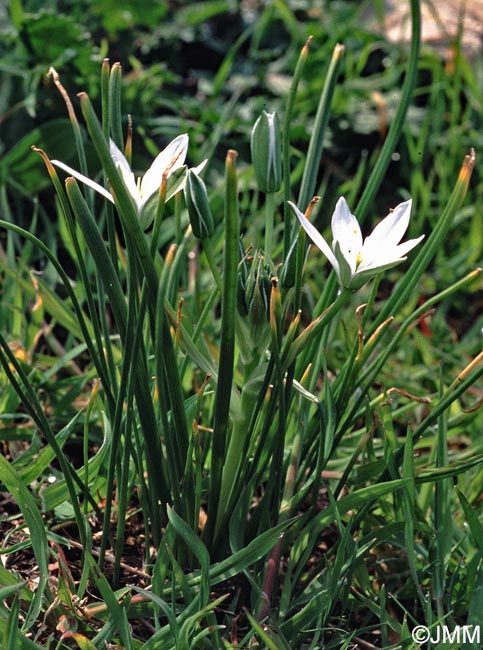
(354, 260)
(170, 160)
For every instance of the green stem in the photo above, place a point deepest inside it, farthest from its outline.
(275, 555)
(397, 125)
(227, 345)
(286, 145)
(269, 216)
(314, 153)
(114, 99)
(211, 259)
(314, 330)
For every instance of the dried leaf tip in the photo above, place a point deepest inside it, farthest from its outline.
(305, 49)
(467, 167)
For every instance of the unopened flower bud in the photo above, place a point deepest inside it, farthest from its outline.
(243, 273)
(257, 292)
(199, 211)
(266, 152)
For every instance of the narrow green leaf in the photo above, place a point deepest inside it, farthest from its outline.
(395, 130)
(260, 632)
(38, 535)
(12, 631)
(195, 544)
(116, 610)
(114, 102)
(218, 500)
(241, 560)
(12, 589)
(40, 463)
(16, 13)
(23, 643)
(286, 171)
(474, 523)
(314, 153)
(55, 494)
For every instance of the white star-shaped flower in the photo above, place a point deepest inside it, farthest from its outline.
(356, 260)
(145, 191)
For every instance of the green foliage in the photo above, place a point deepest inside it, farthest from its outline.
(284, 460)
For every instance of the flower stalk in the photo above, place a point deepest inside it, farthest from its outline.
(218, 490)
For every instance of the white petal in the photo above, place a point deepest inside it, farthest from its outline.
(199, 168)
(388, 259)
(172, 157)
(346, 231)
(126, 172)
(391, 229)
(315, 236)
(389, 256)
(87, 181)
(407, 246)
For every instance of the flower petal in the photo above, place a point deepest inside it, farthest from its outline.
(407, 246)
(315, 236)
(199, 168)
(126, 172)
(172, 157)
(346, 231)
(87, 181)
(387, 254)
(391, 229)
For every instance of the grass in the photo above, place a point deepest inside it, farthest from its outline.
(204, 443)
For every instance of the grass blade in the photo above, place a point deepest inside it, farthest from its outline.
(38, 536)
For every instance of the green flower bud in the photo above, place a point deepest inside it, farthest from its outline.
(253, 304)
(258, 295)
(243, 272)
(253, 291)
(199, 211)
(267, 152)
(258, 286)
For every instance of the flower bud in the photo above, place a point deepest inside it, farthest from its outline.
(258, 287)
(258, 298)
(266, 152)
(243, 272)
(254, 288)
(199, 211)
